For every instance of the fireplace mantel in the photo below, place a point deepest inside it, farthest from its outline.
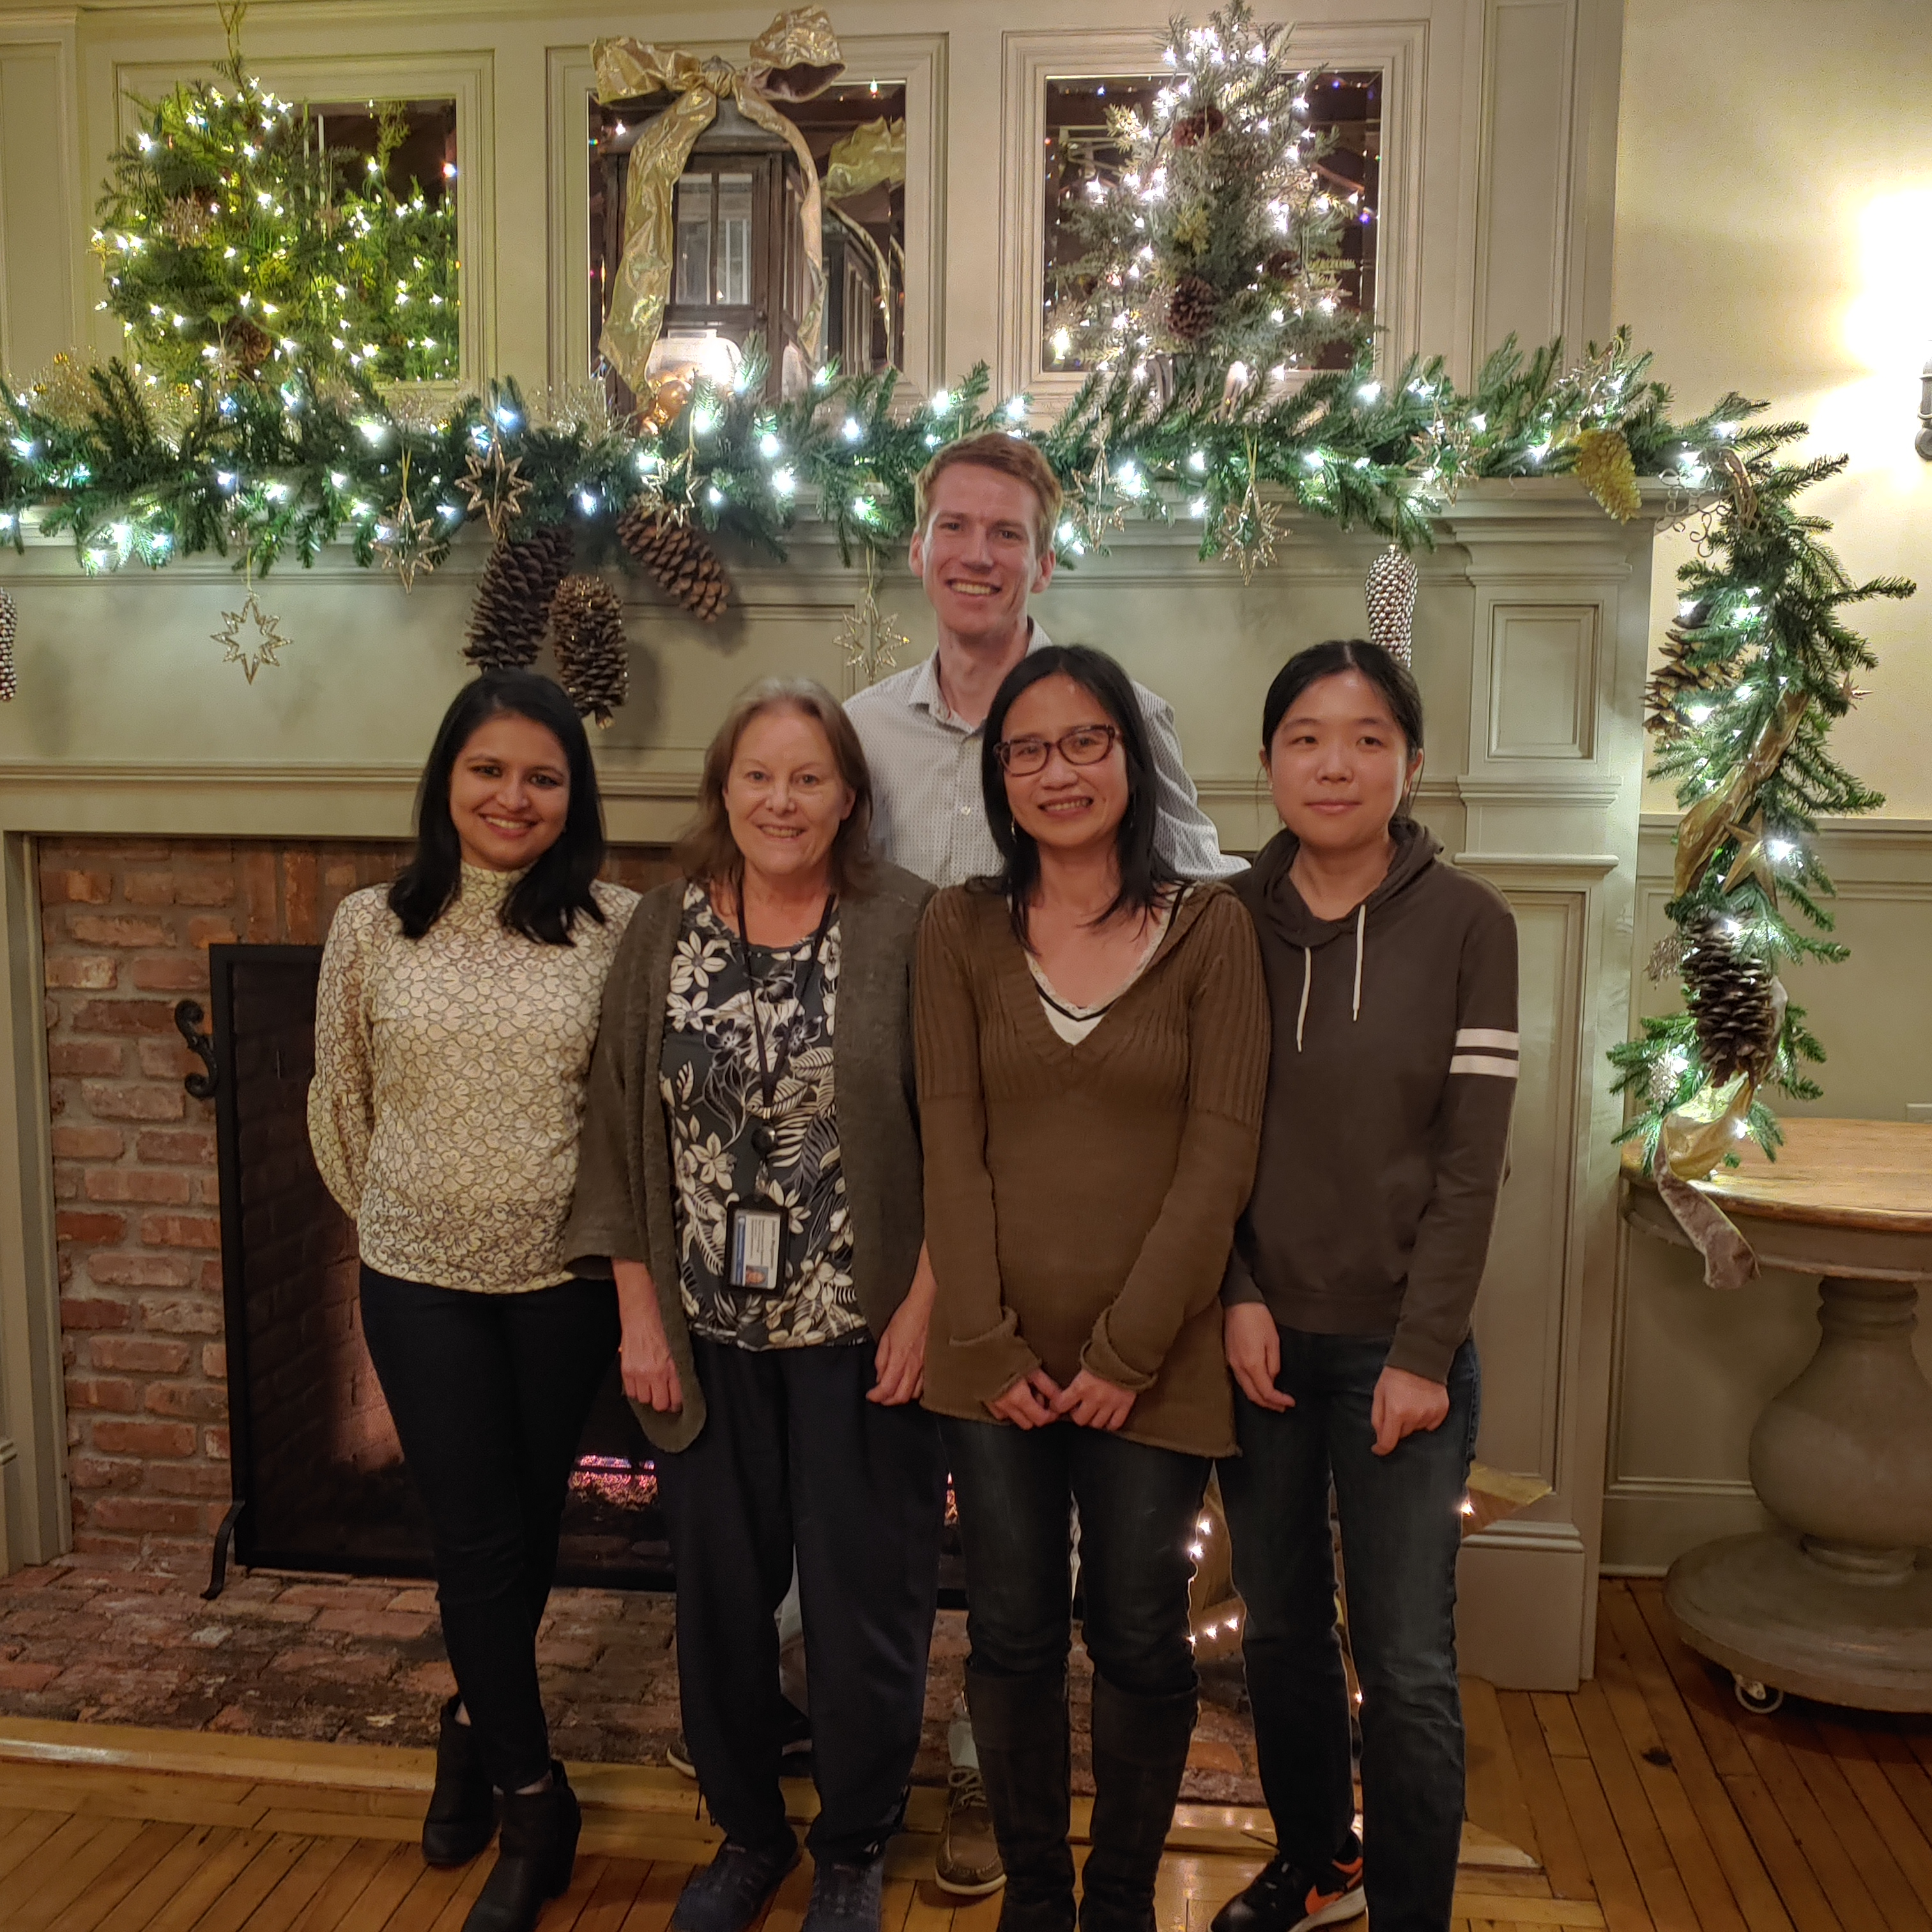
(1530, 646)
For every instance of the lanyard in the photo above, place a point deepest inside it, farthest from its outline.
(769, 1075)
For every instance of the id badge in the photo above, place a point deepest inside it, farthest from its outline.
(753, 1245)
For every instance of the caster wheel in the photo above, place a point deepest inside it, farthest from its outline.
(1760, 1700)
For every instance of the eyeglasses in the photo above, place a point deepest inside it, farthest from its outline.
(1085, 744)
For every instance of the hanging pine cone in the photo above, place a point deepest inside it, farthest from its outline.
(1390, 593)
(1733, 999)
(1192, 308)
(9, 682)
(511, 612)
(679, 557)
(591, 661)
(1676, 677)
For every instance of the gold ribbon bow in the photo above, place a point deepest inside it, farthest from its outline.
(1711, 820)
(795, 57)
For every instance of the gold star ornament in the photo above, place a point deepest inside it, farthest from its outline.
(250, 637)
(495, 489)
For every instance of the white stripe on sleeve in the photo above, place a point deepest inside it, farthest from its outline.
(1487, 1037)
(1484, 1062)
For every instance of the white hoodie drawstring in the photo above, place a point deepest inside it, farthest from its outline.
(1361, 921)
(1308, 976)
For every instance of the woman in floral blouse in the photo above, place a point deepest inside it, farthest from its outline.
(752, 1176)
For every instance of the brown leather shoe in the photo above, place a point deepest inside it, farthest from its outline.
(967, 1863)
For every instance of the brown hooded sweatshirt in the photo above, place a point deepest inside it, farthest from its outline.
(1386, 1128)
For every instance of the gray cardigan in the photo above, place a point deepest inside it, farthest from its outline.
(626, 1205)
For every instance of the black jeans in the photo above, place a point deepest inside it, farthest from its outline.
(1138, 1506)
(489, 1394)
(794, 1464)
(1401, 1528)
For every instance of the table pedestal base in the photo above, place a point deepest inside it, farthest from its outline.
(1761, 1607)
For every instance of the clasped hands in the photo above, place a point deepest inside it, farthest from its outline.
(1036, 1399)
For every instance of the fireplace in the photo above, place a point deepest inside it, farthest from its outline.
(318, 1477)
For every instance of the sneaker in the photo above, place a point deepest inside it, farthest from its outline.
(967, 1863)
(1286, 1898)
(846, 1895)
(734, 1887)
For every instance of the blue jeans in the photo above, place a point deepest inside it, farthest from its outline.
(1401, 1528)
(1138, 1506)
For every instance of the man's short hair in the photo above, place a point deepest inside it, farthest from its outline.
(1012, 456)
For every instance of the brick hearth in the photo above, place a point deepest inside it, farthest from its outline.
(362, 1661)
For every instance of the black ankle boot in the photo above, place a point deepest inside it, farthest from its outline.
(1019, 1729)
(462, 1815)
(534, 1859)
(1140, 1751)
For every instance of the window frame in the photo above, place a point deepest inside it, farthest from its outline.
(1394, 49)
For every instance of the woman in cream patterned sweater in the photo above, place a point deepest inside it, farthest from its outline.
(454, 1027)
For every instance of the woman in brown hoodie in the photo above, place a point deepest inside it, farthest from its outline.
(1393, 980)
(1091, 1039)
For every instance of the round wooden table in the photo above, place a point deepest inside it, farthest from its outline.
(1836, 1603)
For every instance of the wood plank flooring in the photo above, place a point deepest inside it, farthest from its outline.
(1648, 1802)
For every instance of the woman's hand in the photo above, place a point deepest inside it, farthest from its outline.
(1029, 1403)
(1252, 1345)
(1093, 1403)
(899, 1366)
(643, 1356)
(1404, 1403)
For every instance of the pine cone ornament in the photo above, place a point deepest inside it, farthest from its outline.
(1390, 593)
(1603, 462)
(591, 661)
(511, 612)
(1192, 308)
(1677, 676)
(9, 682)
(679, 557)
(1191, 130)
(1732, 999)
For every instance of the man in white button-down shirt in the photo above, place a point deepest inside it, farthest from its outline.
(987, 509)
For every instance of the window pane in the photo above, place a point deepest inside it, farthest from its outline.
(734, 240)
(1081, 148)
(692, 281)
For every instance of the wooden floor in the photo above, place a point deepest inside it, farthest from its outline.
(1648, 1802)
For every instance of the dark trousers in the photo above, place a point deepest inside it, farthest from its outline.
(793, 1464)
(1401, 1528)
(1138, 1505)
(489, 1394)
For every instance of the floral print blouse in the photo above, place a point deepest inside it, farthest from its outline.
(714, 1103)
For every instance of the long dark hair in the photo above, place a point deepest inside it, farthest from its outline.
(1145, 875)
(545, 901)
(1390, 675)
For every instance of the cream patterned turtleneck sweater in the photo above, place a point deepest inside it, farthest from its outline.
(449, 1077)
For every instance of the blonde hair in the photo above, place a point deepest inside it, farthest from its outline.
(708, 854)
(1012, 456)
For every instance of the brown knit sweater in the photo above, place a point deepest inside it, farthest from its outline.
(1080, 1201)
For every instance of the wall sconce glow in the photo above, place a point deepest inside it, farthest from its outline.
(1887, 325)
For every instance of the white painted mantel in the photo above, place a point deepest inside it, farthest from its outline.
(1530, 646)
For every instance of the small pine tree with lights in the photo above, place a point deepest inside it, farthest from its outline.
(1217, 242)
(234, 245)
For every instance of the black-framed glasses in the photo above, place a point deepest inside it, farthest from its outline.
(1084, 745)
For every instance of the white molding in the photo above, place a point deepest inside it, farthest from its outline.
(1396, 48)
(915, 62)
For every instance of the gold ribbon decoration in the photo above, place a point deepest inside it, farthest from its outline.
(1729, 1260)
(1711, 820)
(795, 57)
(873, 155)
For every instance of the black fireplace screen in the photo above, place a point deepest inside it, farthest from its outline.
(319, 1481)
(318, 1475)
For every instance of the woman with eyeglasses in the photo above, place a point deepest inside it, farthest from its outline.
(1093, 1040)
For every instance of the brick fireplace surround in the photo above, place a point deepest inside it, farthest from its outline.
(127, 927)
